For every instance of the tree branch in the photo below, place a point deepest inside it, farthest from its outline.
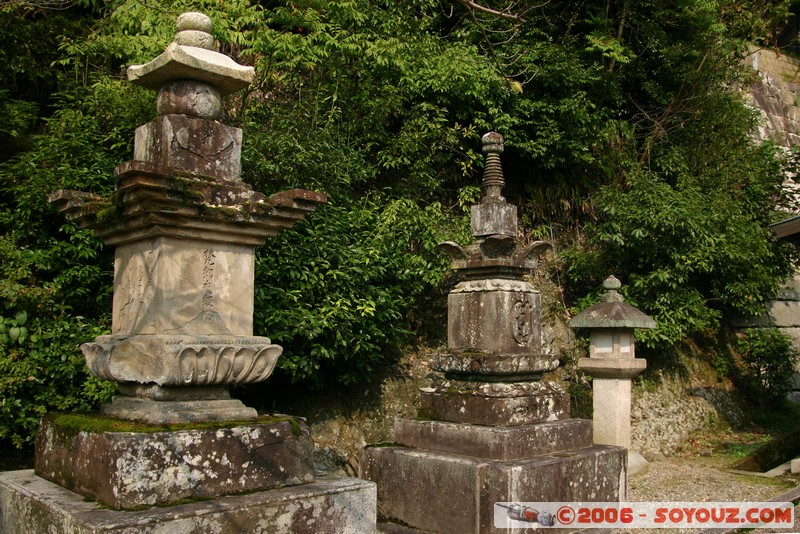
(469, 4)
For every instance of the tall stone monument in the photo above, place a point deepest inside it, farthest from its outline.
(491, 429)
(185, 227)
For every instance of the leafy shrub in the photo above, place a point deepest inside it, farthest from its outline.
(44, 371)
(768, 362)
(337, 289)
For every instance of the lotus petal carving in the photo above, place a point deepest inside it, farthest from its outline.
(227, 364)
(182, 360)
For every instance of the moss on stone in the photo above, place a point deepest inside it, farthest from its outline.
(384, 444)
(227, 213)
(185, 188)
(95, 422)
(297, 431)
(425, 414)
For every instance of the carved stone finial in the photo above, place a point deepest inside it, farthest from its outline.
(493, 180)
(191, 57)
(194, 29)
(612, 284)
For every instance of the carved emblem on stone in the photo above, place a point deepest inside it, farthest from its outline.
(522, 318)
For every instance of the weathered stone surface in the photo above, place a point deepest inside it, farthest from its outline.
(179, 62)
(182, 360)
(611, 399)
(613, 367)
(473, 365)
(612, 312)
(133, 469)
(194, 29)
(446, 493)
(791, 289)
(495, 316)
(393, 528)
(494, 218)
(152, 201)
(330, 505)
(494, 442)
(784, 313)
(155, 412)
(187, 97)
(636, 463)
(494, 403)
(191, 144)
(179, 286)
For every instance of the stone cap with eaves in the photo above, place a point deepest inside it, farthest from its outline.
(191, 56)
(612, 311)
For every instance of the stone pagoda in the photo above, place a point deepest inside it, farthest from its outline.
(185, 228)
(491, 429)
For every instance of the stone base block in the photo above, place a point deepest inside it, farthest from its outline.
(438, 492)
(499, 367)
(128, 469)
(331, 505)
(494, 403)
(154, 412)
(188, 143)
(494, 442)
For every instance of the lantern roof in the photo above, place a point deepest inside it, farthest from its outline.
(612, 311)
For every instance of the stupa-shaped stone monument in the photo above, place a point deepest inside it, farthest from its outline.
(185, 227)
(491, 429)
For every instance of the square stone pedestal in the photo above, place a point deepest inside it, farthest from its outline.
(330, 505)
(452, 478)
(128, 465)
(95, 474)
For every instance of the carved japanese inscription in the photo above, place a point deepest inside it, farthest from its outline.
(177, 287)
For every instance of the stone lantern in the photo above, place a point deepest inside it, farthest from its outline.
(612, 363)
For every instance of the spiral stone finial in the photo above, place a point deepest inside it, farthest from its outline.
(493, 180)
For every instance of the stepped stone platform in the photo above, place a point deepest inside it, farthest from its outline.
(436, 466)
(330, 505)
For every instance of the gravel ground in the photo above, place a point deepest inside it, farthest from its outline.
(694, 478)
(700, 478)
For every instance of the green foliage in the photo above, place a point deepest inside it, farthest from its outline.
(44, 371)
(684, 221)
(623, 131)
(767, 365)
(41, 366)
(692, 241)
(334, 291)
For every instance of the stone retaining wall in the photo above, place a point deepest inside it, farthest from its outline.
(775, 95)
